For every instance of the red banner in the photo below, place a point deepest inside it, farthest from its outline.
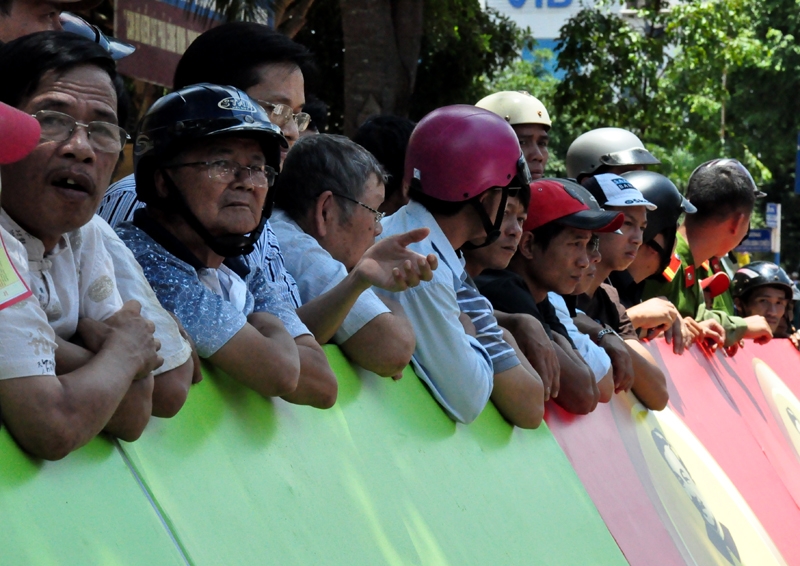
(714, 478)
(161, 32)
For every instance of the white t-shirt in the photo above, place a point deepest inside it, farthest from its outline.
(132, 285)
(594, 356)
(75, 280)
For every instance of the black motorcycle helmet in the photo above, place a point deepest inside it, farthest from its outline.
(760, 274)
(663, 220)
(189, 114)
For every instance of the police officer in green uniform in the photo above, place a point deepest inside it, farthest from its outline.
(724, 193)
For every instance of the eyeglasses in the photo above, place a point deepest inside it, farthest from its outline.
(378, 214)
(227, 171)
(280, 114)
(103, 136)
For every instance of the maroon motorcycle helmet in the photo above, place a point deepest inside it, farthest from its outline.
(457, 153)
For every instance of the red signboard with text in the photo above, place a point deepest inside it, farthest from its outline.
(161, 32)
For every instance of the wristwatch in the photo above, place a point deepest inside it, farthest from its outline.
(606, 330)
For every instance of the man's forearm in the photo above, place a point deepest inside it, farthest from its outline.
(317, 385)
(324, 315)
(519, 396)
(384, 345)
(262, 356)
(171, 388)
(578, 391)
(133, 412)
(587, 326)
(70, 356)
(52, 416)
(735, 326)
(649, 383)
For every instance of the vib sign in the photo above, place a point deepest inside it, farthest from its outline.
(541, 3)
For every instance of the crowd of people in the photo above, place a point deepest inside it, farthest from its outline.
(248, 238)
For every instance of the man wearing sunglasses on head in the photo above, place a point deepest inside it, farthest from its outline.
(22, 17)
(553, 254)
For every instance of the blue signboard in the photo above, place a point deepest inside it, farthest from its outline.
(773, 214)
(759, 240)
(550, 3)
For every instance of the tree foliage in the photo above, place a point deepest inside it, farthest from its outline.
(695, 80)
(462, 45)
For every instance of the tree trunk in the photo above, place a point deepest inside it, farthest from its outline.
(382, 40)
(290, 15)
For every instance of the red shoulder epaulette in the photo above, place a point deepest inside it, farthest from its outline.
(716, 265)
(672, 268)
(689, 276)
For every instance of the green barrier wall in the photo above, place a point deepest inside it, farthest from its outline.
(86, 509)
(384, 477)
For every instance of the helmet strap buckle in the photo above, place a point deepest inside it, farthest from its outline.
(492, 228)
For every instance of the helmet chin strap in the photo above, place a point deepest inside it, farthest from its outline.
(230, 245)
(492, 229)
(663, 253)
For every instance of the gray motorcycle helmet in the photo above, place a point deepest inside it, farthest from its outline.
(612, 147)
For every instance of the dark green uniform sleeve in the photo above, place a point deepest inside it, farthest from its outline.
(690, 302)
(735, 326)
(685, 299)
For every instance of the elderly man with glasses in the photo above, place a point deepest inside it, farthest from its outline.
(75, 359)
(328, 195)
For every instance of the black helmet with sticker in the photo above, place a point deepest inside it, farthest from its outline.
(190, 114)
(761, 274)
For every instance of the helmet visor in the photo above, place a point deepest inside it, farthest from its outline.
(523, 178)
(633, 156)
(77, 25)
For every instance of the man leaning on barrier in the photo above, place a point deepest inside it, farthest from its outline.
(462, 163)
(73, 359)
(327, 196)
(724, 193)
(551, 257)
(204, 160)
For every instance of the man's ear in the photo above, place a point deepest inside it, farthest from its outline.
(737, 220)
(737, 302)
(526, 244)
(161, 184)
(323, 214)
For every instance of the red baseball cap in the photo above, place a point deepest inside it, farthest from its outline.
(554, 200)
(19, 134)
(716, 284)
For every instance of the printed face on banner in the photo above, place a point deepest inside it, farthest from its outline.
(711, 521)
